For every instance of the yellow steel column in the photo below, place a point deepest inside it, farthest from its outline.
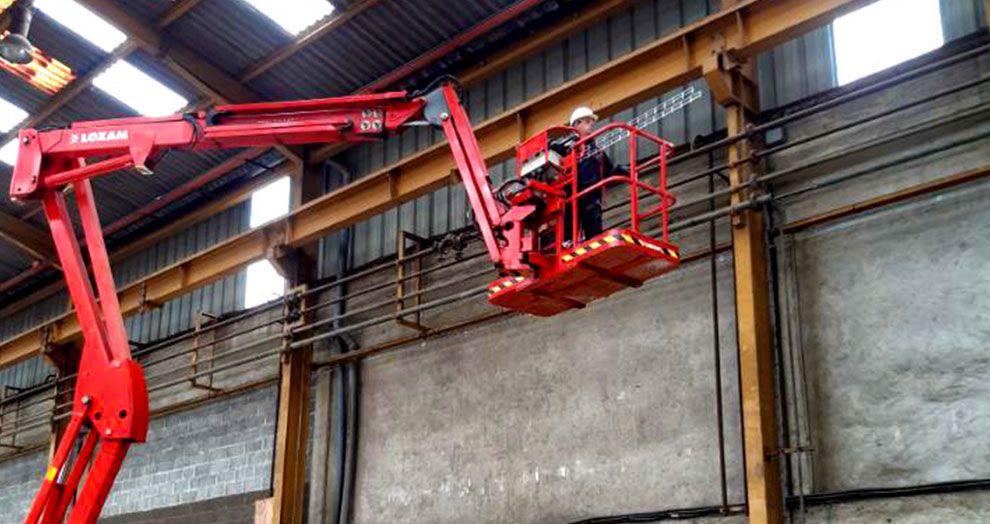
(295, 373)
(732, 84)
(292, 433)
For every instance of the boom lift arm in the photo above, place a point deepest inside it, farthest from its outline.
(110, 406)
(541, 271)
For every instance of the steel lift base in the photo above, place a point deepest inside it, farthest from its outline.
(615, 260)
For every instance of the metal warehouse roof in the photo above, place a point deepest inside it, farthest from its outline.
(235, 38)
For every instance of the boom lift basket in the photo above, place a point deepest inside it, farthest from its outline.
(568, 273)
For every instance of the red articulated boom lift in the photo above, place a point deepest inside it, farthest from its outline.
(521, 224)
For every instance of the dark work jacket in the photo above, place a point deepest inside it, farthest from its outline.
(592, 169)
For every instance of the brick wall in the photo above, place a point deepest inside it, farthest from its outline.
(235, 509)
(220, 449)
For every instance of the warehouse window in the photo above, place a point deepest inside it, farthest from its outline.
(302, 15)
(267, 204)
(135, 88)
(884, 34)
(10, 116)
(83, 22)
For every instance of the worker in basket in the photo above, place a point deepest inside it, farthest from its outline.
(593, 166)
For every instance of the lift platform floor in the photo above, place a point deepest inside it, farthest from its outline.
(597, 268)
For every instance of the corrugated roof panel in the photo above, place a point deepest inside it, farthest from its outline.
(231, 34)
(797, 69)
(91, 104)
(125, 191)
(149, 11)
(12, 261)
(370, 45)
(20, 93)
(160, 72)
(223, 296)
(63, 44)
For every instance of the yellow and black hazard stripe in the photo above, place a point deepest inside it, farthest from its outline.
(614, 239)
(503, 284)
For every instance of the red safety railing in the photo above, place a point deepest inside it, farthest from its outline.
(636, 185)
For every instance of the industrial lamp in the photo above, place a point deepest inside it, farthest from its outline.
(16, 48)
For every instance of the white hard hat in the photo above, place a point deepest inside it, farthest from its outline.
(582, 112)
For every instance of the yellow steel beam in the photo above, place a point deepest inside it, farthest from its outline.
(749, 28)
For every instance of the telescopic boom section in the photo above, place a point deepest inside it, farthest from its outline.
(110, 407)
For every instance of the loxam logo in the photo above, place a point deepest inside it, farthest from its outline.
(98, 136)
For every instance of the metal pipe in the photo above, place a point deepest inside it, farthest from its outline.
(784, 437)
(716, 347)
(276, 303)
(391, 301)
(897, 161)
(804, 140)
(272, 304)
(392, 316)
(392, 283)
(927, 125)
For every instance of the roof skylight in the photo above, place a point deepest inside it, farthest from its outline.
(10, 116)
(83, 22)
(296, 17)
(135, 88)
(8, 153)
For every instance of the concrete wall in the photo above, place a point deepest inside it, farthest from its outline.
(19, 481)
(894, 312)
(546, 420)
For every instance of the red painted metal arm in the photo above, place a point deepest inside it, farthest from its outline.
(110, 407)
(138, 142)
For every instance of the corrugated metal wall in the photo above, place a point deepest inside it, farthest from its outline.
(962, 17)
(23, 375)
(220, 297)
(177, 315)
(34, 314)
